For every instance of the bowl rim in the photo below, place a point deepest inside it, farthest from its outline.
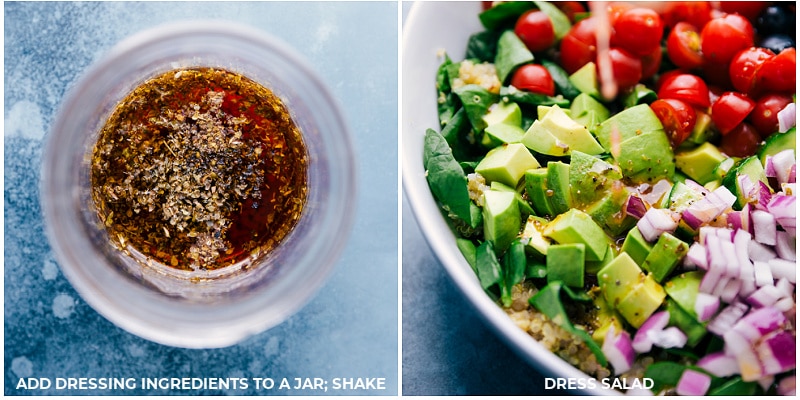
(437, 233)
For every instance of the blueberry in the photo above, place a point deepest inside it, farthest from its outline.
(776, 19)
(777, 42)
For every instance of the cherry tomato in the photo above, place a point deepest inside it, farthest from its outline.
(533, 78)
(723, 37)
(744, 67)
(764, 116)
(536, 30)
(683, 46)
(779, 74)
(579, 45)
(615, 10)
(697, 13)
(687, 87)
(730, 110)
(638, 30)
(651, 63)
(627, 68)
(717, 74)
(677, 117)
(666, 76)
(570, 8)
(742, 141)
(747, 9)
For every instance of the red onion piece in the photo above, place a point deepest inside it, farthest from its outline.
(788, 386)
(719, 364)
(786, 246)
(787, 118)
(693, 383)
(749, 190)
(792, 174)
(656, 192)
(706, 306)
(764, 296)
(731, 290)
(763, 273)
(748, 285)
(741, 241)
(618, 350)
(642, 340)
(758, 322)
(696, 256)
(780, 268)
(655, 222)
(764, 227)
(763, 195)
(635, 206)
(710, 281)
(785, 288)
(782, 206)
(777, 350)
(758, 252)
(785, 304)
(739, 347)
(727, 318)
(782, 162)
(669, 338)
(696, 187)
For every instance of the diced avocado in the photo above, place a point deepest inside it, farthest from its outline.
(589, 119)
(629, 123)
(497, 134)
(535, 243)
(588, 112)
(702, 131)
(557, 135)
(541, 111)
(575, 226)
(636, 246)
(468, 249)
(683, 290)
(585, 79)
(646, 158)
(565, 263)
(681, 197)
(607, 212)
(642, 301)
(536, 269)
(713, 185)
(605, 317)
(667, 253)
(699, 163)
(558, 186)
(590, 177)
(592, 267)
(724, 167)
(618, 278)
(524, 207)
(685, 232)
(778, 142)
(501, 219)
(695, 331)
(503, 112)
(536, 187)
(506, 164)
(750, 166)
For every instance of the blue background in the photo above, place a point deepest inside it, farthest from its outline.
(349, 329)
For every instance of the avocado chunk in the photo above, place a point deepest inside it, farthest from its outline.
(501, 219)
(558, 186)
(606, 317)
(607, 212)
(533, 239)
(575, 226)
(557, 135)
(588, 112)
(503, 112)
(618, 278)
(683, 290)
(629, 123)
(695, 331)
(699, 163)
(592, 267)
(752, 168)
(565, 263)
(667, 253)
(497, 134)
(536, 187)
(506, 164)
(524, 207)
(702, 131)
(636, 246)
(585, 79)
(642, 301)
(541, 111)
(590, 177)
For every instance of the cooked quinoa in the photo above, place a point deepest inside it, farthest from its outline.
(483, 74)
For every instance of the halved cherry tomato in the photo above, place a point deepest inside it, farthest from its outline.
(683, 46)
(723, 37)
(697, 13)
(677, 117)
(779, 74)
(742, 141)
(533, 78)
(730, 110)
(651, 63)
(579, 45)
(764, 116)
(744, 66)
(638, 30)
(627, 68)
(666, 76)
(535, 29)
(687, 87)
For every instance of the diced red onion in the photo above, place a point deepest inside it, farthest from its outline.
(696, 187)
(785, 304)
(740, 241)
(785, 287)
(783, 206)
(656, 192)
(766, 381)
(787, 118)
(739, 347)
(758, 252)
(786, 246)
(642, 340)
(696, 256)
(709, 281)
(635, 206)
(792, 174)
(714, 254)
(758, 322)
(719, 364)
(787, 386)
(655, 222)
(709, 207)
(705, 306)
(731, 260)
(618, 350)
(764, 296)
(728, 317)
(748, 285)
(721, 285)
(748, 189)
(777, 350)
(693, 383)
(780, 268)
(669, 338)
(763, 195)
(764, 227)
(782, 162)
(763, 273)
(731, 290)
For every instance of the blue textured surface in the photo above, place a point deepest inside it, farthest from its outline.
(350, 327)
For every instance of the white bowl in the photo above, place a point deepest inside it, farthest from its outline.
(430, 28)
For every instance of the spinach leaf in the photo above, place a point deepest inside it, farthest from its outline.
(470, 252)
(514, 263)
(488, 266)
(735, 387)
(511, 53)
(548, 301)
(445, 177)
(533, 99)
(561, 79)
(561, 24)
(640, 94)
(476, 100)
(666, 374)
(536, 269)
(482, 46)
(447, 102)
(504, 14)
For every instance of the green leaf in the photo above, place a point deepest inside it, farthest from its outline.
(561, 24)
(561, 79)
(476, 100)
(639, 94)
(504, 14)
(511, 53)
(488, 266)
(532, 99)
(514, 263)
(482, 46)
(735, 387)
(548, 301)
(470, 252)
(445, 176)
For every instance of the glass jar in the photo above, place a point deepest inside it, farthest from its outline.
(198, 309)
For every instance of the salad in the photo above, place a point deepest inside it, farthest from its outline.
(622, 179)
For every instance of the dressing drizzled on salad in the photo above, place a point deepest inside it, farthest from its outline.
(646, 235)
